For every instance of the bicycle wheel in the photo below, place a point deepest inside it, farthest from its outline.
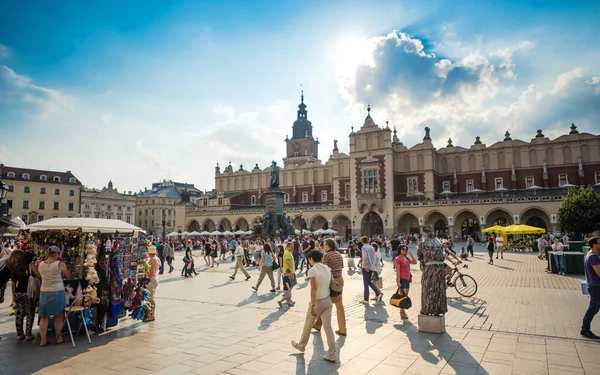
(465, 285)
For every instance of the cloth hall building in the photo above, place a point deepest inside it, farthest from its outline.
(384, 187)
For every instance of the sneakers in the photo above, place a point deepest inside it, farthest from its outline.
(379, 298)
(297, 347)
(29, 338)
(232, 278)
(329, 358)
(20, 337)
(255, 288)
(589, 335)
(364, 302)
(247, 278)
(291, 304)
(280, 304)
(340, 333)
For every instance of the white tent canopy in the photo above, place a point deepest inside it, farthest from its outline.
(173, 234)
(216, 233)
(195, 233)
(240, 233)
(87, 225)
(204, 233)
(228, 233)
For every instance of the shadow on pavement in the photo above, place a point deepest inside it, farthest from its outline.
(470, 306)
(375, 317)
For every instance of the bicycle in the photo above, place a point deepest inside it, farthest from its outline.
(464, 284)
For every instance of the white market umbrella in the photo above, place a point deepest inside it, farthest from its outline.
(319, 231)
(248, 232)
(502, 190)
(9, 235)
(568, 186)
(173, 234)
(204, 233)
(330, 231)
(419, 194)
(535, 188)
(228, 233)
(185, 234)
(476, 191)
(216, 233)
(447, 193)
(86, 225)
(239, 233)
(194, 233)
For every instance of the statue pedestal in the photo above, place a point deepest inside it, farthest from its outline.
(274, 201)
(432, 323)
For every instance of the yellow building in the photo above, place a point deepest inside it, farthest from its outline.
(35, 195)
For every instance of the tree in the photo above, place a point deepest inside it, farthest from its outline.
(580, 211)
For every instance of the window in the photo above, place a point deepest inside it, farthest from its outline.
(253, 200)
(152, 223)
(412, 186)
(97, 216)
(40, 218)
(169, 212)
(220, 201)
(109, 207)
(153, 214)
(25, 204)
(87, 215)
(71, 206)
(26, 189)
(562, 179)
(43, 190)
(109, 217)
(119, 217)
(72, 180)
(56, 191)
(371, 181)
(286, 198)
(25, 176)
(470, 185)
(43, 178)
(205, 202)
(128, 208)
(71, 192)
(42, 205)
(119, 208)
(323, 196)
(305, 196)
(97, 206)
(56, 205)
(129, 219)
(348, 191)
(152, 201)
(528, 181)
(498, 183)
(598, 177)
(11, 188)
(56, 179)
(87, 205)
(9, 203)
(24, 218)
(70, 216)
(10, 175)
(145, 212)
(446, 186)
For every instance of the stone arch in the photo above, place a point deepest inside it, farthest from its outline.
(486, 161)
(224, 224)
(208, 225)
(371, 224)
(567, 158)
(439, 221)
(241, 224)
(406, 163)
(381, 141)
(585, 152)
(408, 222)
(458, 163)
(536, 217)
(517, 158)
(444, 165)
(532, 158)
(501, 160)
(496, 214)
(472, 166)
(318, 222)
(420, 162)
(429, 214)
(466, 222)
(193, 226)
(299, 222)
(550, 156)
(342, 224)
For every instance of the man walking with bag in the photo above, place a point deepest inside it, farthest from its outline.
(335, 262)
(592, 276)
(368, 265)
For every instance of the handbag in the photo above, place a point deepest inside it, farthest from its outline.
(401, 301)
(275, 265)
(335, 289)
(374, 276)
(33, 287)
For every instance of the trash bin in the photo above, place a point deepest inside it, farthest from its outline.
(576, 246)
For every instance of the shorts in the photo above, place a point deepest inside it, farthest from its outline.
(52, 303)
(374, 276)
(223, 251)
(287, 294)
(213, 254)
(404, 283)
(151, 288)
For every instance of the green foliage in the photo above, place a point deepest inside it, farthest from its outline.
(580, 211)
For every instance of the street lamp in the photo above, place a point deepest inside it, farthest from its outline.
(301, 225)
(164, 224)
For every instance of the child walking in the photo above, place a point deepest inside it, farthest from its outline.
(288, 285)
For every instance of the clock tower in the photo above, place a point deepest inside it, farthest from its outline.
(302, 147)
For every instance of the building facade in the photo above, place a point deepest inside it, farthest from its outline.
(383, 186)
(108, 203)
(36, 195)
(159, 204)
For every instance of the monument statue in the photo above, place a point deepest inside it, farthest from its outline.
(274, 173)
(433, 282)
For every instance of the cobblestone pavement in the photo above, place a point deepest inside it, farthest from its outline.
(521, 321)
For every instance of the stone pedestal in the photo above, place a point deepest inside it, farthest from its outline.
(274, 201)
(432, 323)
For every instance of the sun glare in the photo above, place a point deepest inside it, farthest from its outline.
(350, 52)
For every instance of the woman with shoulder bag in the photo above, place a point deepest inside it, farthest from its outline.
(265, 264)
(402, 265)
(279, 265)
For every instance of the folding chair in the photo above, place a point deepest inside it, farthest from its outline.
(81, 310)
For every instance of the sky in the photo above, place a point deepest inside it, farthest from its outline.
(140, 91)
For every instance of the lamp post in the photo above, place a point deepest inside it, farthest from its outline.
(164, 224)
(301, 225)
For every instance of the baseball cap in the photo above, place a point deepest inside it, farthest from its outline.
(54, 249)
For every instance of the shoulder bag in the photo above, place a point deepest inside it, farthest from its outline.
(33, 286)
(401, 300)
(335, 289)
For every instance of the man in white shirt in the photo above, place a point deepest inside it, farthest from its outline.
(499, 246)
(239, 263)
(557, 253)
(541, 246)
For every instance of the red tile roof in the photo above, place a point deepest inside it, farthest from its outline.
(35, 174)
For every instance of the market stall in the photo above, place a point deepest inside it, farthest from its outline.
(106, 259)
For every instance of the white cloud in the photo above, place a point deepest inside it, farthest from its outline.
(3, 51)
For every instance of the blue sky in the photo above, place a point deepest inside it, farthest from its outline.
(139, 91)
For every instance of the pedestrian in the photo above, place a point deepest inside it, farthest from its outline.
(368, 265)
(239, 262)
(224, 245)
(395, 245)
(558, 255)
(288, 285)
(279, 257)
(52, 293)
(296, 251)
(470, 244)
(592, 276)
(169, 255)
(402, 265)
(464, 254)
(320, 305)
(206, 253)
(378, 268)
(334, 260)
(541, 246)
(499, 246)
(188, 261)
(160, 251)
(154, 263)
(489, 245)
(19, 264)
(214, 253)
(351, 249)
(265, 265)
